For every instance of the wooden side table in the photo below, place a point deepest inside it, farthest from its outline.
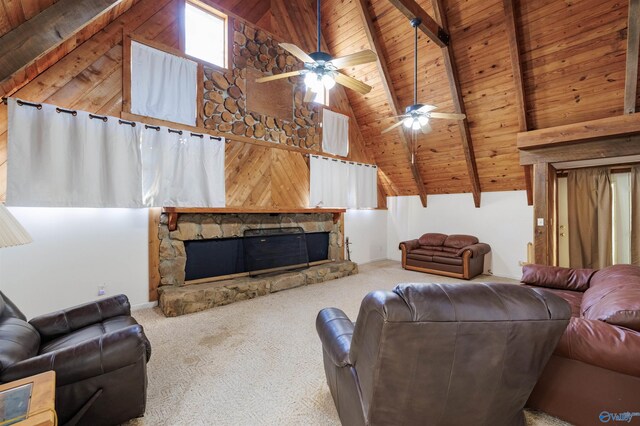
(42, 404)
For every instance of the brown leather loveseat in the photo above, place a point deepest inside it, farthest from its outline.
(594, 372)
(458, 256)
(98, 351)
(428, 354)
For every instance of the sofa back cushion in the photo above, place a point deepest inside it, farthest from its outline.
(557, 277)
(459, 241)
(8, 309)
(432, 239)
(614, 296)
(18, 341)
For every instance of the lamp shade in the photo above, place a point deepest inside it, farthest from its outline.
(11, 232)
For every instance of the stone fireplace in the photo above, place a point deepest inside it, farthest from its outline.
(178, 296)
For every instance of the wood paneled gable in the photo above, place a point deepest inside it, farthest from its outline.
(561, 63)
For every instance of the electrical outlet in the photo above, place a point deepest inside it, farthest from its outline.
(102, 290)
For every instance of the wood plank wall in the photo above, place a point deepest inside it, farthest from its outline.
(90, 78)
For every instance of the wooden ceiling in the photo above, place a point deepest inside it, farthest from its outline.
(572, 57)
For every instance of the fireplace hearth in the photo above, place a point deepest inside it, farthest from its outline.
(212, 259)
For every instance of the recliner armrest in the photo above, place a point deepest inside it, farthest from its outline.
(335, 330)
(479, 249)
(88, 359)
(409, 245)
(63, 322)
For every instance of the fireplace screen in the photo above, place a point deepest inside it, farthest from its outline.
(257, 251)
(274, 248)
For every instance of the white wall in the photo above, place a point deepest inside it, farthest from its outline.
(73, 252)
(367, 232)
(504, 221)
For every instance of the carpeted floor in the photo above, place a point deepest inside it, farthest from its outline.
(259, 362)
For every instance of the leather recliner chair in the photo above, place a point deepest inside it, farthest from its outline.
(98, 351)
(435, 354)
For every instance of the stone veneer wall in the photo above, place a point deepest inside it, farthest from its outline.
(207, 226)
(226, 99)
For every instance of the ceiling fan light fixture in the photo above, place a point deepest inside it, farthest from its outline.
(313, 82)
(408, 122)
(328, 81)
(416, 124)
(423, 119)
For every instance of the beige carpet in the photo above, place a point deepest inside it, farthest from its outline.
(258, 362)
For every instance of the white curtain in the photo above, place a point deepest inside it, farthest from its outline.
(335, 133)
(163, 85)
(365, 178)
(57, 159)
(182, 170)
(337, 183)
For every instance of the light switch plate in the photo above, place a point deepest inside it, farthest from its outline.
(540, 221)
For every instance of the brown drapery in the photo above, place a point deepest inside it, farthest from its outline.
(590, 218)
(635, 215)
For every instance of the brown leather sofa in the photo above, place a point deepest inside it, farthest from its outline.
(595, 370)
(98, 351)
(459, 256)
(429, 354)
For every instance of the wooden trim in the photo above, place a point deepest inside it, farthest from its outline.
(200, 97)
(126, 72)
(411, 10)
(516, 66)
(544, 208)
(588, 150)
(387, 85)
(435, 272)
(154, 253)
(230, 137)
(620, 125)
(174, 212)
(458, 103)
(633, 42)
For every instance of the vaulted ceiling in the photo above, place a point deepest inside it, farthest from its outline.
(572, 55)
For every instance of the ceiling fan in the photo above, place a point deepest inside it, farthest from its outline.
(321, 69)
(416, 116)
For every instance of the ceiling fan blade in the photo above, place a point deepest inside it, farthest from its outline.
(363, 57)
(446, 115)
(427, 108)
(309, 95)
(426, 128)
(390, 128)
(297, 52)
(278, 76)
(352, 83)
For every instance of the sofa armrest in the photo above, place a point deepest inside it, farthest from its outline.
(477, 250)
(335, 330)
(88, 359)
(409, 245)
(63, 322)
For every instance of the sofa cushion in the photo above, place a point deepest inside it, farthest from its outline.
(574, 298)
(87, 333)
(432, 239)
(18, 341)
(614, 296)
(448, 260)
(425, 252)
(9, 309)
(459, 241)
(417, 256)
(557, 277)
(600, 344)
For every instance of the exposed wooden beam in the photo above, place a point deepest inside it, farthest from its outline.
(458, 103)
(387, 85)
(543, 211)
(35, 45)
(521, 102)
(624, 146)
(609, 127)
(428, 25)
(633, 42)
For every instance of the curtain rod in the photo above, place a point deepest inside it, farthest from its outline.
(614, 169)
(343, 161)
